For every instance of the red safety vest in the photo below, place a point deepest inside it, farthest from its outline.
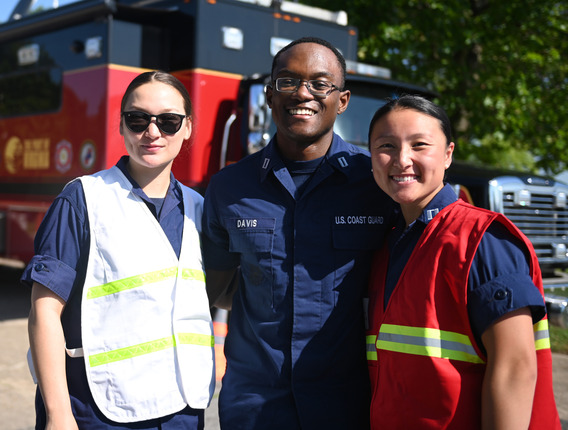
(426, 369)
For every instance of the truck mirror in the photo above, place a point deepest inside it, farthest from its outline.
(259, 119)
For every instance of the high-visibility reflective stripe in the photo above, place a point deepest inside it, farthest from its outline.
(437, 343)
(149, 347)
(197, 339)
(193, 274)
(371, 348)
(541, 335)
(427, 342)
(140, 280)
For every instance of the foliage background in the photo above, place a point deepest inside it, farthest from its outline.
(500, 68)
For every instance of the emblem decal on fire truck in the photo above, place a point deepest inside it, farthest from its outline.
(63, 156)
(14, 155)
(88, 155)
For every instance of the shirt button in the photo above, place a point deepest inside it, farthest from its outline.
(39, 267)
(500, 294)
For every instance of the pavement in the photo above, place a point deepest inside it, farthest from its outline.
(17, 388)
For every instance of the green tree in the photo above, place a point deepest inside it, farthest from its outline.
(500, 69)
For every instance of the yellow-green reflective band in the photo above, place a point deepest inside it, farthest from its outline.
(541, 335)
(193, 275)
(427, 342)
(197, 339)
(371, 348)
(131, 351)
(149, 347)
(130, 283)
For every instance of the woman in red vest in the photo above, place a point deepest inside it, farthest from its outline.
(458, 335)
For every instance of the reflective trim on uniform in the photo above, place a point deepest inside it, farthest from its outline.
(149, 347)
(541, 335)
(130, 283)
(197, 339)
(371, 348)
(193, 274)
(428, 342)
(144, 279)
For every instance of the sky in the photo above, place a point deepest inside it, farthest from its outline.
(6, 7)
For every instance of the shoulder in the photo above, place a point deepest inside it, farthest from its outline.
(190, 192)
(242, 171)
(353, 160)
(498, 224)
(341, 147)
(71, 198)
(251, 161)
(468, 215)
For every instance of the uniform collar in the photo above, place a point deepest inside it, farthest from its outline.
(174, 188)
(446, 196)
(337, 156)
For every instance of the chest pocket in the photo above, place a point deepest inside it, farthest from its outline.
(251, 235)
(253, 239)
(362, 237)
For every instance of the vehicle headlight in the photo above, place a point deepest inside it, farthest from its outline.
(560, 200)
(522, 198)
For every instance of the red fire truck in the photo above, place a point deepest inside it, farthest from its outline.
(64, 69)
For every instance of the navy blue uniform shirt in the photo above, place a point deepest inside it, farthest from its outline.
(295, 347)
(500, 265)
(62, 252)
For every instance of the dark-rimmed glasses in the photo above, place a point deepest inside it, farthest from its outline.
(168, 123)
(315, 87)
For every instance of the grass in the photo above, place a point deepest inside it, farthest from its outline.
(558, 335)
(558, 339)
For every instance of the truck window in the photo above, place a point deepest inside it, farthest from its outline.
(353, 124)
(30, 92)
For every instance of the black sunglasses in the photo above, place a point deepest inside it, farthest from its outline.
(168, 123)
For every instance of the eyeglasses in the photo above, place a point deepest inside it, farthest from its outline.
(168, 123)
(315, 87)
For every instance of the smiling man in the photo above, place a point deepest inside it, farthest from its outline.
(294, 226)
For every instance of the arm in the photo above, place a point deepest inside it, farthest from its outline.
(47, 345)
(221, 266)
(510, 376)
(221, 287)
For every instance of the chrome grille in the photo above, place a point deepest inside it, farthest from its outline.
(540, 221)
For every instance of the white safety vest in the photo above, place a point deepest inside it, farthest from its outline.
(146, 327)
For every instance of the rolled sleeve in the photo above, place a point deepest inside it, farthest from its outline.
(500, 282)
(51, 273)
(502, 295)
(61, 244)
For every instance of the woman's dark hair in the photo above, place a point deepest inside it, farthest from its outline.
(419, 104)
(164, 78)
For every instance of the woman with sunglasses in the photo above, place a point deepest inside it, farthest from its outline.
(120, 329)
(458, 335)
